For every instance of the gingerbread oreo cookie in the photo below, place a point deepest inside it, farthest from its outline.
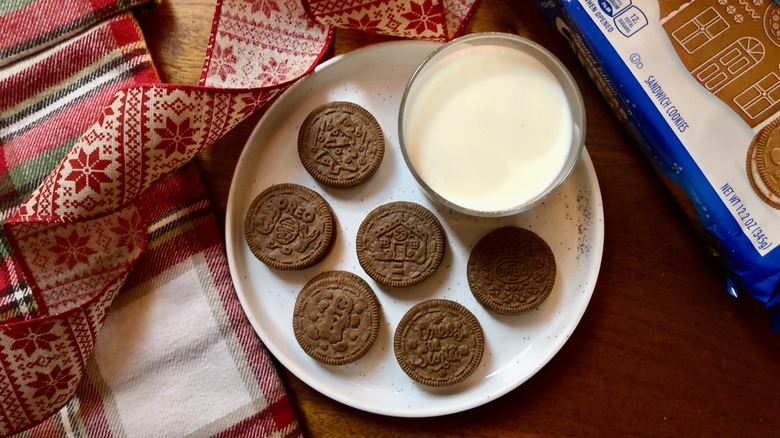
(438, 343)
(340, 144)
(289, 227)
(763, 163)
(511, 270)
(336, 318)
(400, 244)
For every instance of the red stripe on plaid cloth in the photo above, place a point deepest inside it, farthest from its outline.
(14, 303)
(277, 420)
(70, 121)
(42, 23)
(117, 39)
(90, 408)
(279, 416)
(47, 429)
(198, 230)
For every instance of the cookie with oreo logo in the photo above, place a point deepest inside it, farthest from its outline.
(289, 226)
(438, 343)
(400, 244)
(763, 163)
(336, 318)
(341, 144)
(511, 270)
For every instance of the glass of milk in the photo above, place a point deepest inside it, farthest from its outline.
(491, 124)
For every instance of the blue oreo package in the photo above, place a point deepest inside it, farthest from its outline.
(697, 83)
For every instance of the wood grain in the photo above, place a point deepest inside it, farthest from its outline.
(662, 349)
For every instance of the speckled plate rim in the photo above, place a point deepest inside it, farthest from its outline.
(516, 347)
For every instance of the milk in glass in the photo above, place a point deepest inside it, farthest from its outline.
(488, 127)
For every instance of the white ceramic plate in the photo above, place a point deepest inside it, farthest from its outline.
(516, 347)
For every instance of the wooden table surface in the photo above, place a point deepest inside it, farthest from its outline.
(662, 348)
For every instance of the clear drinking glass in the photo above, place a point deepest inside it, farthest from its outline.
(476, 118)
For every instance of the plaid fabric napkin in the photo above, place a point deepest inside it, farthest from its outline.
(102, 211)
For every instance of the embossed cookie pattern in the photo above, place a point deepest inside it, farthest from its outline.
(511, 270)
(340, 144)
(289, 226)
(400, 244)
(438, 343)
(336, 318)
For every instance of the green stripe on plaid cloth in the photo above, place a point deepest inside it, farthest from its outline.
(101, 210)
(30, 25)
